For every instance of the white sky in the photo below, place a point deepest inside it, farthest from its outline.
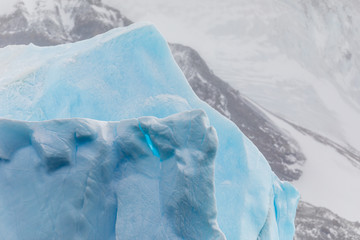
(6, 6)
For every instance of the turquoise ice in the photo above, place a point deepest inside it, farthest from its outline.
(129, 73)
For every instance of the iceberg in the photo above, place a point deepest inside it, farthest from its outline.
(126, 73)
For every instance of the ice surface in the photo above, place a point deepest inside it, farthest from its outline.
(129, 73)
(84, 179)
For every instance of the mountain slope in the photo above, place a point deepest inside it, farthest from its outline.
(47, 23)
(316, 223)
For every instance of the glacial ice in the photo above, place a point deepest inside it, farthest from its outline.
(69, 177)
(85, 179)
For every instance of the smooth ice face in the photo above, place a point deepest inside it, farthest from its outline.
(85, 179)
(129, 73)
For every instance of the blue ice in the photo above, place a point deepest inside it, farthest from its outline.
(123, 74)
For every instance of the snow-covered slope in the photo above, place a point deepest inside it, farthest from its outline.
(55, 22)
(314, 223)
(99, 78)
(329, 175)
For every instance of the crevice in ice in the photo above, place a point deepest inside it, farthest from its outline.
(13, 137)
(76, 149)
(83, 135)
(275, 206)
(4, 160)
(149, 142)
(264, 232)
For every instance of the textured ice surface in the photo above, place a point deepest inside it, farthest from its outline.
(129, 73)
(85, 179)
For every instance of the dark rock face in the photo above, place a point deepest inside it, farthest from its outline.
(16, 29)
(91, 17)
(66, 21)
(88, 22)
(317, 223)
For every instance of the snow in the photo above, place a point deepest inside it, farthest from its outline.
(320, 186)
(329, 179)
(127, 73)
(7, 7)
(66, 18)
(31, 6)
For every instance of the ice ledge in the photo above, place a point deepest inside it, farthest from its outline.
(86, 179)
